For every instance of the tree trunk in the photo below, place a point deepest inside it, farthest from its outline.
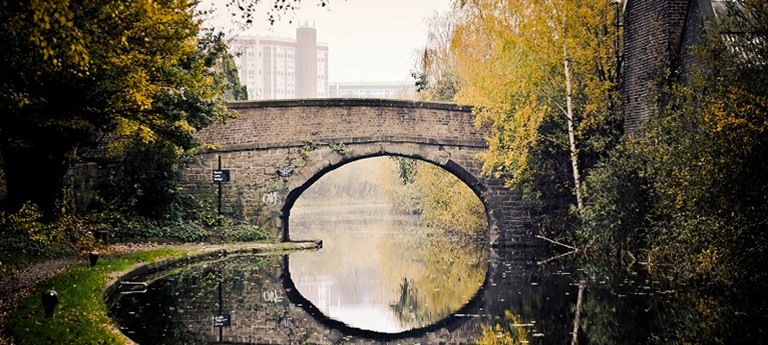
(569, 115)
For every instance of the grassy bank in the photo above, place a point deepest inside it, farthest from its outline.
(81, 314)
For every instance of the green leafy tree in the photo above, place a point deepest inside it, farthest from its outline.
(238, 92)
(215, 54)
(77, 72)
(618, 202)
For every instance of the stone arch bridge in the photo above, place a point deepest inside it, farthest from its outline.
(276, 149)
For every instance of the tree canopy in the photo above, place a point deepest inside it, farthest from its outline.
(543, 78)
(76, 72)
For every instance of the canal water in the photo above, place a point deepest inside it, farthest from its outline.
(381, 278)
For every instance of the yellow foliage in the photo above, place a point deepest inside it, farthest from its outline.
(739, 110)
(130, 127)
(27, 222)
(447, 203)
(55, 35)
(440, 279)
(513, 333)
(708, 260)
(509, 58)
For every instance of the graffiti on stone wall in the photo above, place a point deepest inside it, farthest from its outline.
(274, 195)
(271, 198)
(271, 296)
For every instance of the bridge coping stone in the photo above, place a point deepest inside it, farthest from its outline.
(343, 102)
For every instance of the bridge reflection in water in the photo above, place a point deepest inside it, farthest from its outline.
(537, 303)
(381, 286)
(379, 277)
(265, 306)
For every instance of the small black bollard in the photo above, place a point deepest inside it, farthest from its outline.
(93, 257)
(50, 299)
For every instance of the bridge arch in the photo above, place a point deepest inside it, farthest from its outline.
(276, 149)
(424, 153)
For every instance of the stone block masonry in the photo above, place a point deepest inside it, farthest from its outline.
(276, 149)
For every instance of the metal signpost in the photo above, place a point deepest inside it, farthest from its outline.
(221, 319)
(219, 176)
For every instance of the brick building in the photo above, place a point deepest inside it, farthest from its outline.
(657, 34)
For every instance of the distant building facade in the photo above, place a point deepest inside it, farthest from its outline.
(282, 68)
(389, 90)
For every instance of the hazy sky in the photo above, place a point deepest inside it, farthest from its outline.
(368, 40)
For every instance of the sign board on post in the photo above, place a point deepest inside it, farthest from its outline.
(220, 175)
(222, 320)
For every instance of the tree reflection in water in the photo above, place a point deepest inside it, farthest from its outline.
(438, 279)
(511, 332)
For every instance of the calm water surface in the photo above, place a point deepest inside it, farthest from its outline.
(381, 278)
(382, 272)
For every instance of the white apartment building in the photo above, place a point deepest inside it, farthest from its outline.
(282, 68)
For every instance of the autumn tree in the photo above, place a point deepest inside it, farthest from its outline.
(75, 72)
(447, 203)
(542, 76)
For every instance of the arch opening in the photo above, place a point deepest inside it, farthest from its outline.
(466, 178)
(382, 268)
